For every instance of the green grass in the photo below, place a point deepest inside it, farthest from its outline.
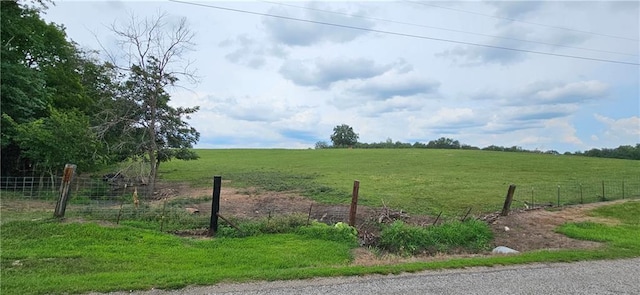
(471, 235)
(50, 257)
(624, 237)
(45, 256)
(627, 213)
(41, 256)
(424, 181)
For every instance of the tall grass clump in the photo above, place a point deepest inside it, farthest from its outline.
(253, 227)
(295, 224)
(404, 239)
(340, 232)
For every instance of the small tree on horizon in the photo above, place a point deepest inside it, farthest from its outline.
(343, 135)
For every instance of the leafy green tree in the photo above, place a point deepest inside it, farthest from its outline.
(63, 137)
(147, 126)
(444, 143)
(321, 145)
(343, 135)
(39, 75)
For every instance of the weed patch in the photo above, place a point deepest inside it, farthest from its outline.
(470, 235)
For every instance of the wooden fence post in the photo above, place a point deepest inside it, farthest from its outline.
(507, 201)
(354, 203)
(215, 206)
(67, 177)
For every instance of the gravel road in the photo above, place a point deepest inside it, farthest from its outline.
(594, 277)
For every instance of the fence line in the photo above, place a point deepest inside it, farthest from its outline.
(114, 201)
(576, 192)
(82, 187)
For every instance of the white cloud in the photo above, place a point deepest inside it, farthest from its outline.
(321, 73)
(620, 131)
(573, 92)
(268, 82)
(297, 33)
(250, 52)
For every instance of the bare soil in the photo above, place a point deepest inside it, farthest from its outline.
(522, 230)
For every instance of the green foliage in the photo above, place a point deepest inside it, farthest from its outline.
(321, 145)
(470, 235)
(60, 104)
(444, 143)
(621, 152)
(343, 136)
(46, 98)
(64, 137)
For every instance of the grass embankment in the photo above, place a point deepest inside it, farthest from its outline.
(41, 257)
(51, 257)
(420, 181)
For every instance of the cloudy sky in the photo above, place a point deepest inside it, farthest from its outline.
(549, 75)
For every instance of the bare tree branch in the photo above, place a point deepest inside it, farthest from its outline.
(156, 51)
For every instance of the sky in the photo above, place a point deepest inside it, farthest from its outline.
(559, 75)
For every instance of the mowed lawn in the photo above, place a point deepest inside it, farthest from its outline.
(424, 181)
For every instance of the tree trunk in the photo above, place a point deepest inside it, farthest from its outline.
(152, 173)
(153, 145)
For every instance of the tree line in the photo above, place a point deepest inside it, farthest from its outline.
(344, 136)
(63, 104)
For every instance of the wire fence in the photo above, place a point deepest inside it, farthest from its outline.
(44, 188)
(129, 201)
(575, 192)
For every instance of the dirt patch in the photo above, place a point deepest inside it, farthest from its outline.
(521, 230)
(535, 229)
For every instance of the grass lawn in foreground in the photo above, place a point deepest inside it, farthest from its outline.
(420, 181)
(51, 257)
(44, 256)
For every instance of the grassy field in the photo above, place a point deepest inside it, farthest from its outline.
(423, 181)
(46, 256)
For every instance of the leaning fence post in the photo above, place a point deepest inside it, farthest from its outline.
(354, 203)
(558, 195)
(507, 201)
(61, 205)
(604, 198)
(215, 206)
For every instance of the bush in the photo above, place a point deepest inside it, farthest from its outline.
(470, 235)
